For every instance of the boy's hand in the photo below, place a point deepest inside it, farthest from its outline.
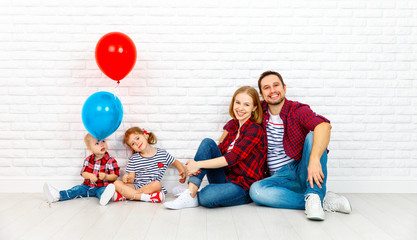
(93, 178)
(182, 177)
(102, 175)
(126, 178)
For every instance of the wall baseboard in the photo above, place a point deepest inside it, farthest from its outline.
(27, 185)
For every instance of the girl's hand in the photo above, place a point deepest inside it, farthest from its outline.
(182, 177)
(192, 168)
(126, 178)
(101, 175)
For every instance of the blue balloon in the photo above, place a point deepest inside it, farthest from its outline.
(102, 114)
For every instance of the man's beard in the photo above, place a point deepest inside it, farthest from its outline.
(276, 102)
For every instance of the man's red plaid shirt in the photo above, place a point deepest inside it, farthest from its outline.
(298, 121)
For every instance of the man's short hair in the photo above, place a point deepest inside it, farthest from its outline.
(267, 73)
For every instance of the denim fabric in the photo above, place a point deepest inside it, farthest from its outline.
(288, 186)
(219, 192)
(81, 191)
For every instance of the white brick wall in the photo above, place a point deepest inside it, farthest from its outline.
(352, 61)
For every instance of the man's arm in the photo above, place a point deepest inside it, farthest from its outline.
(321, 139)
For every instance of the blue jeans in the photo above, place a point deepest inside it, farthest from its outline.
(81, 191)
(219, 192)
(288, 186)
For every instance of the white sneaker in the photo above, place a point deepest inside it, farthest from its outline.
(178, 190)
(107, 194)
(336, 203)
(314, 210)
(51, 193)
(184, 200)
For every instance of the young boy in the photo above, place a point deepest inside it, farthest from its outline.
(99, 171)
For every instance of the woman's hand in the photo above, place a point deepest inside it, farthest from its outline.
(315, 173)
(192, 168)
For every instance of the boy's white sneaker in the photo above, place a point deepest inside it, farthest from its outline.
(51, 193)
(336, 203)
(313, 207)
(184, 200)
(107, 194)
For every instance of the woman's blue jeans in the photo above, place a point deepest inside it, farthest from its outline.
(81, 191)
(288, 186)
(219, 192)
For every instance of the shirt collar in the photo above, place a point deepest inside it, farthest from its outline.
(105, 157)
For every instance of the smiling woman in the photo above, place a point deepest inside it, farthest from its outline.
(233, 165)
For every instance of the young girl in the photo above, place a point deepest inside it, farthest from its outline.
(145, 168)
(232, 166)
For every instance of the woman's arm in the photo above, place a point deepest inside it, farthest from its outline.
(223, 136)
(192, 166)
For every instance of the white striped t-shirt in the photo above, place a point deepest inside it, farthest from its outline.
(149, 169)
(277, 157)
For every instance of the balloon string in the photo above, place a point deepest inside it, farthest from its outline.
(116, 90)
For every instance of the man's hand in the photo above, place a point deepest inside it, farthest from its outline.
(315, 173)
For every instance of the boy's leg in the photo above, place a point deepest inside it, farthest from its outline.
(104, 194)
(74, 192)
(281, 190)
(223, 195)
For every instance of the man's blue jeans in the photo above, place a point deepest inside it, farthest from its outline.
(288, 186)
(81, 191)
(219, 192)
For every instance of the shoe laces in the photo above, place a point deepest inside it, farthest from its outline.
(184, 196)
(310, 203)
(331, 204)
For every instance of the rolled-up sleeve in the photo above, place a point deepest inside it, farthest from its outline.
(309, 119)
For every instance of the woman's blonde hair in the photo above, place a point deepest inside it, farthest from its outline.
(137, 130)
(257, 114)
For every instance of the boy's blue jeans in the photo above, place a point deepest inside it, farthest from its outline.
(219, 192)
(81, 191)
(288, 186)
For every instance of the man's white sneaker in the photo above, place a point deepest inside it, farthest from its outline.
(314, 210)
(336, 203)
(51, 193)
(184, 200)
(107, 194)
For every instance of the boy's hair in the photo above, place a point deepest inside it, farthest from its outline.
(136, 130)
(267, 73)
(257, 116)
(87, 139)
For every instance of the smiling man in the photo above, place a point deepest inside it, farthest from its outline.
(297, 158)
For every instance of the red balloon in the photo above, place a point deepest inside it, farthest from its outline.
(115, 55)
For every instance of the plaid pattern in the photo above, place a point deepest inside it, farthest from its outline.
(248, 157)
(298, 120)
(106, 164)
